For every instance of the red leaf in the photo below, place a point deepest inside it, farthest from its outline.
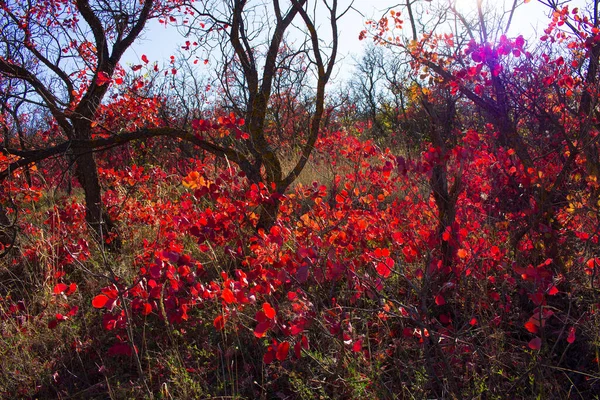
(146, 309)
(100, 301)
(304, 342)
(269, 356)
(495, 251)
(102, 78)
(155, 271)
(109, 322)
(269, 311)
(298, 349)
(571, 337)
(357, 346)
(58, 289)
(72, 311)
(219, 323)
(262, 328)
(531, 326)
(282, 350)
(537, 298)
(296, 329)
(535, 343)
(136, 67)
(385, 268)
(72, 288)
(553, 290)
(144, 59)
(439, 300)
(110, 292)
(228, 296)
(302, 274)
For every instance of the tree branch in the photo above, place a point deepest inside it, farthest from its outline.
(19, 72)
(80, 146)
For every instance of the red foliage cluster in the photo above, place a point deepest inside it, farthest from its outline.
(487, 237)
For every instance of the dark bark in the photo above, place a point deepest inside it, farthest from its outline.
(442, 119)
(268, 215)
(102, 226)
(8, 232)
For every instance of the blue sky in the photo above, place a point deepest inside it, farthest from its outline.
(159, 42)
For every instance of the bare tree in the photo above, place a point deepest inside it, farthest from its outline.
(256, 61)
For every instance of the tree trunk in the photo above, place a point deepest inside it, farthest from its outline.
(268, 215)
(445, 201)
(7, 229)
(442, 121)
(103, 228)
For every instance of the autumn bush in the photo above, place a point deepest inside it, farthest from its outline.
(344, 297)
(264, 241)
